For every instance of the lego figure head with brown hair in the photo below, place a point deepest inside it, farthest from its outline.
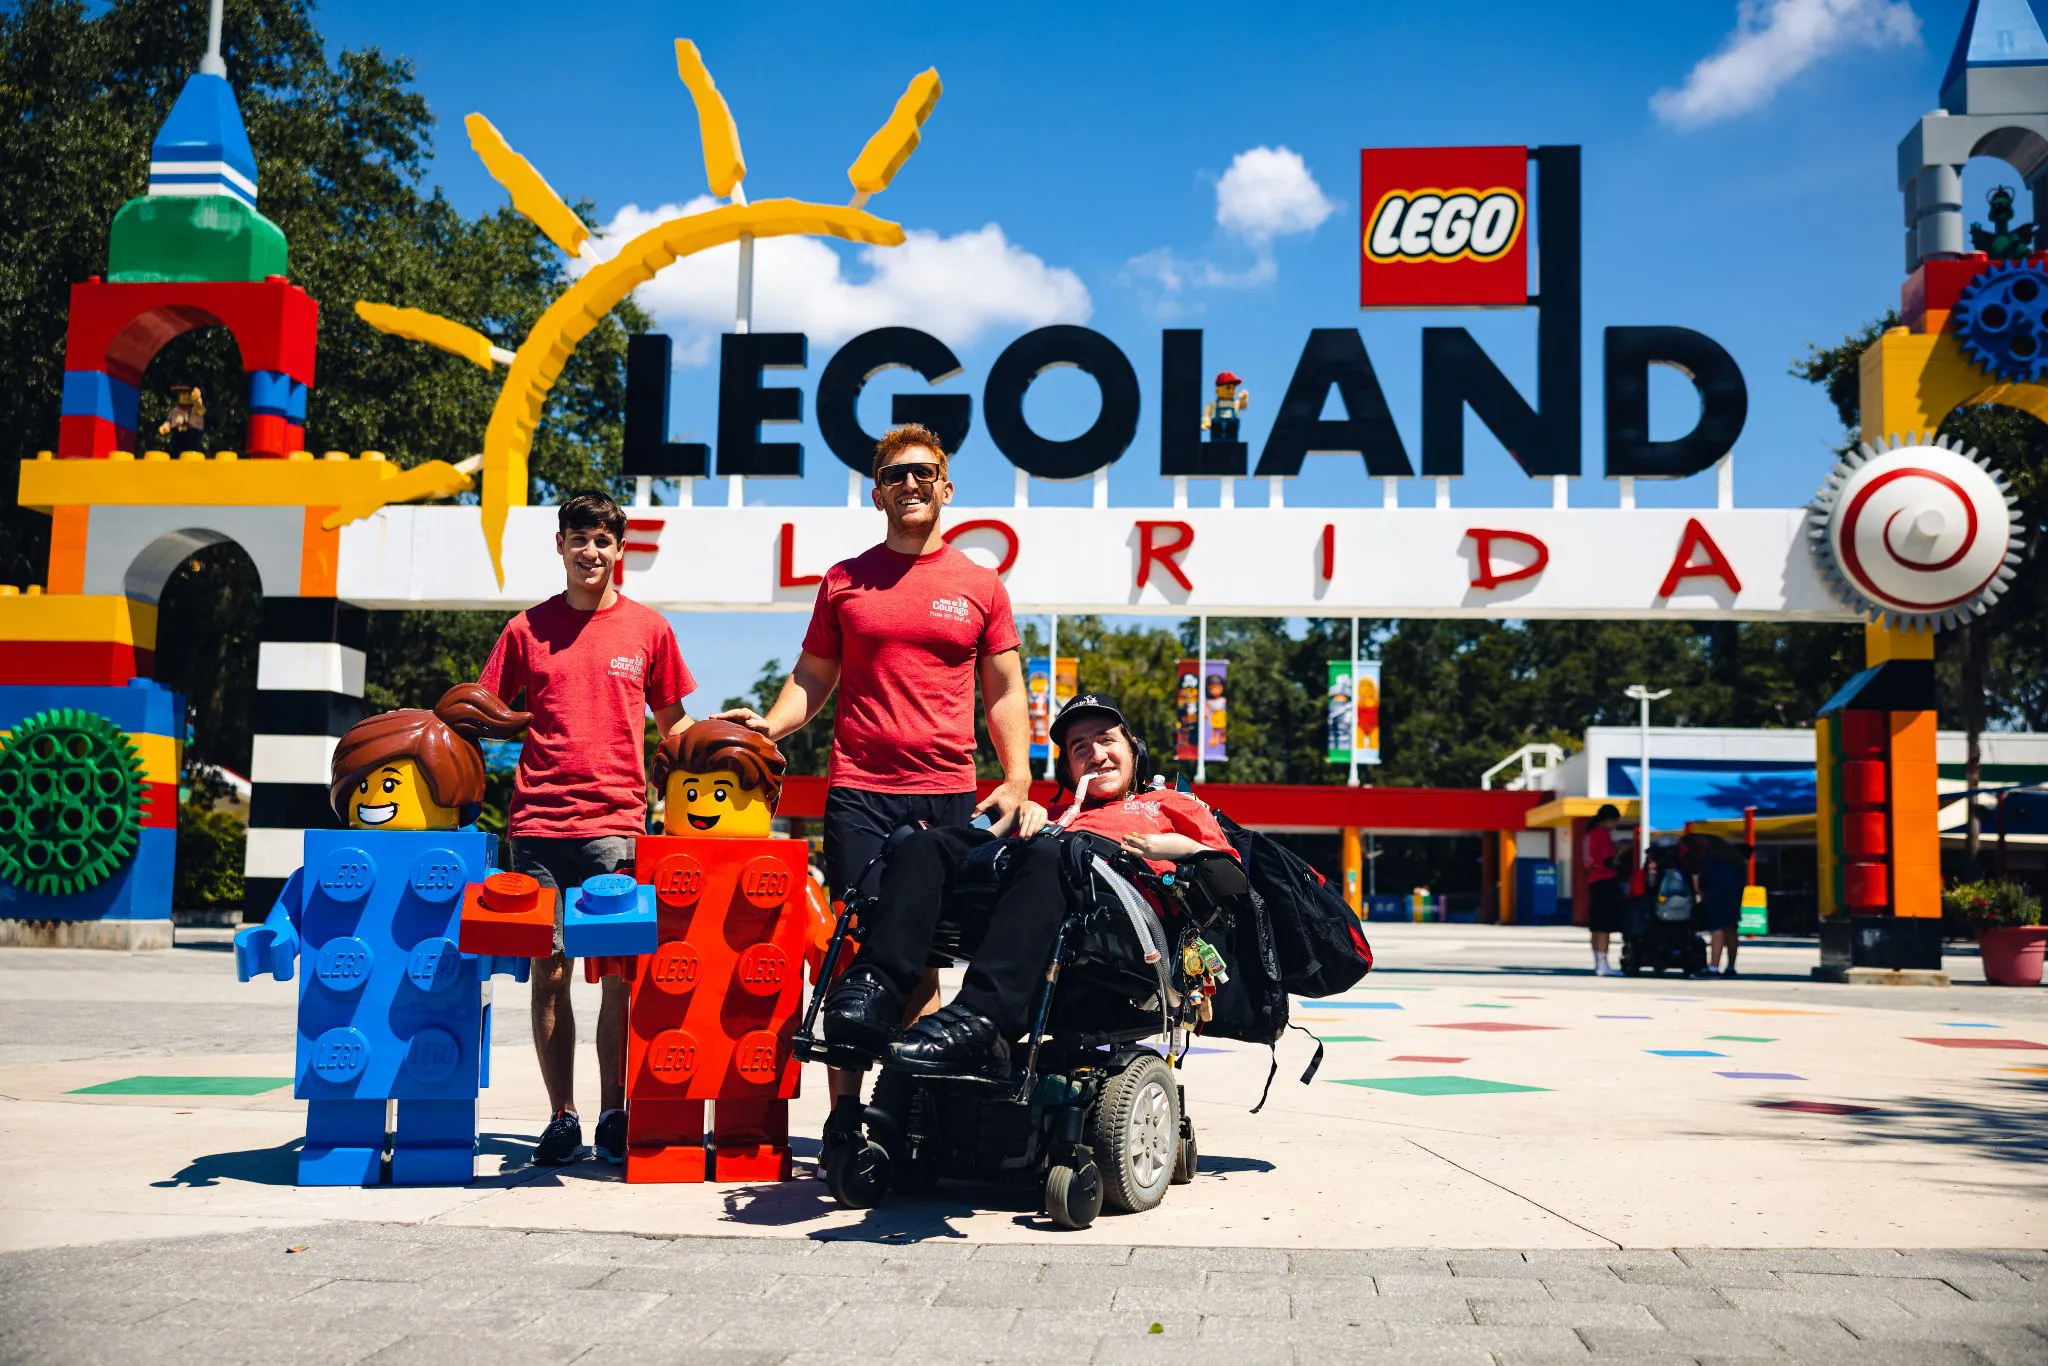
(719, 778)
(419, 770)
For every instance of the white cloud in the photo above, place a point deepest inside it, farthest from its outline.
(955, 288)
(1268, 193)
(1775, 40)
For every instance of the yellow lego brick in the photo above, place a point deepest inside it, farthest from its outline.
(151, 482)
(1910, 382)
(1884, 643)
(70, 617)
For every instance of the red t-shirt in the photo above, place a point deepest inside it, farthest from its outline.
(907, 630)
(1599, 855)
(1158, 811)
(589, 678)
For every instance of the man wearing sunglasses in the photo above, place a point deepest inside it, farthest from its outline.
(904, 631)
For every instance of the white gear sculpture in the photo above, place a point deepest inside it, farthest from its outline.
(1914, 533)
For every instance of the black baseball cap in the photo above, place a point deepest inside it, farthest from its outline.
(1087, 704)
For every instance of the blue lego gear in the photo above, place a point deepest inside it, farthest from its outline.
(2001, 319)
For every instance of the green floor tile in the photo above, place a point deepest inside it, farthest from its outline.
(1349, 1038)
(1739, 1038)
(1437, 1086)
(1487, 1005)
(184, 1086)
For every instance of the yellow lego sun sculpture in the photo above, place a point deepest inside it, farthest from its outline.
(537, 363)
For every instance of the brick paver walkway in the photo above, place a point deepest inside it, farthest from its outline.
(446, 1296)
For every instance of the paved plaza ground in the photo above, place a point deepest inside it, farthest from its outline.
(1502, 1158)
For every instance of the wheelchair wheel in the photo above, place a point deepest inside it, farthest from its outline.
(1073, 1195)
(1136, 1133)
(857, 1174)
(1186, 1158)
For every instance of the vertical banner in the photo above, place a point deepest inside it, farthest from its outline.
(1365, 710)
(1047, 689)
(1203, 689)
(1353, 725)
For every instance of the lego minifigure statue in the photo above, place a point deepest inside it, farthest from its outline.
(2004, 242)
(1219, 419)
(185, 429)
(714, 1004)
(389, 1007)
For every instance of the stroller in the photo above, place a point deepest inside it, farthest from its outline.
(1090, 1112)
(1659, 933)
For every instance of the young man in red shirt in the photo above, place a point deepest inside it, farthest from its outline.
(972, 1034)
(591, 663)
(904, 631)
(1606, 911)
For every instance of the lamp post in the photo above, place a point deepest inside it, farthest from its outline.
(1643, 695)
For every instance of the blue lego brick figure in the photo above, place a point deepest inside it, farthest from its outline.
(609, 916)
(390, 1010)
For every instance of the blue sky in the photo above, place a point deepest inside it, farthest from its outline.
(1078, 157)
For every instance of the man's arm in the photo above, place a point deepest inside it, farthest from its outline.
(1009, 728)
(670, 719)
(803, 694)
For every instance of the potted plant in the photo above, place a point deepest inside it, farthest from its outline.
(2007, 919)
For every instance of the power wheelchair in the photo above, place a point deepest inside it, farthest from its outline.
(1090, 1111)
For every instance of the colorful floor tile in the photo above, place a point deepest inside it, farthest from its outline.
(1437, 1086)
(1350, 1038)
(2030, 1071)
(1960, 1024)
(1624, 1017)
(1982, 1043)
(1739, 1038)
(1678, 998)
(1761, 1076)
(1816, 1107)
(1491, 1026)
(1359, 1005)
(1763, 1010)
(1423, 1057)
(184, 1086)
(1685, 1053)
(1205, 1048)
(1485, 1005)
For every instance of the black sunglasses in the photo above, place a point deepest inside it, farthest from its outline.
(923, 471)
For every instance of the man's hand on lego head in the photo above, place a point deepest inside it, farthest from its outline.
(1014, 811)
(744, 716)
(718, 803)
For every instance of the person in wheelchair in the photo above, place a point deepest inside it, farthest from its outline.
(1099, 755)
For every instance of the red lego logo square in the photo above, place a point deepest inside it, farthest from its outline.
(1444, 227)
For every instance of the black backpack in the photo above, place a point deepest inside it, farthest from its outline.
(1316, 942)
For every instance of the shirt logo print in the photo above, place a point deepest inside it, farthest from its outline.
(951, 609)
(625, 666)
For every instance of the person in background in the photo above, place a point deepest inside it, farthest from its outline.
(1604, 904)
(1722, 874)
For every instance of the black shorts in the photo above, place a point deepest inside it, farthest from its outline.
(858, 821)
(565, 863)
(1606, 908)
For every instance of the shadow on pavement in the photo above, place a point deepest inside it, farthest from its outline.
(278, 1166)
(2006, 1128)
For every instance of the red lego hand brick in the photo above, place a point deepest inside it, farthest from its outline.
(510, 915)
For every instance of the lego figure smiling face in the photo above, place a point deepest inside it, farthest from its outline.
(719, 779)
(416, 769)
(395, 797)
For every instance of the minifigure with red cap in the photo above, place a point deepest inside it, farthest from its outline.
(1219, 419)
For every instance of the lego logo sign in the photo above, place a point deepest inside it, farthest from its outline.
(1445, 227)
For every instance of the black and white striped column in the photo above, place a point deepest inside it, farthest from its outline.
(309, 691)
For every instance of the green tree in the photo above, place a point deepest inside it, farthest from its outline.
(1993, 670)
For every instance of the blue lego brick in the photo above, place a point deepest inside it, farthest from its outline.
(270, 391)
(389, 1008)
(95, 393)
(295, 404)
(139, 890)
(610, 916)
(143, 707)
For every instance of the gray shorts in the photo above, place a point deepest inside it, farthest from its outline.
(565, 863)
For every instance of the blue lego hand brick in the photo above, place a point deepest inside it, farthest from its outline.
(143, 707)
(610, 916)
(270, 391)
(497, 965)
(262, 949)
(95, 393)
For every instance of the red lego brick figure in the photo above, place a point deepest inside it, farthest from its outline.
(712, 1010)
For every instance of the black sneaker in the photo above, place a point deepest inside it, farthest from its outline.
(561, 1142)
(610, 1142)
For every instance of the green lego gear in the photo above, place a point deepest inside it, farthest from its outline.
(71, 802)
(162, 238)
